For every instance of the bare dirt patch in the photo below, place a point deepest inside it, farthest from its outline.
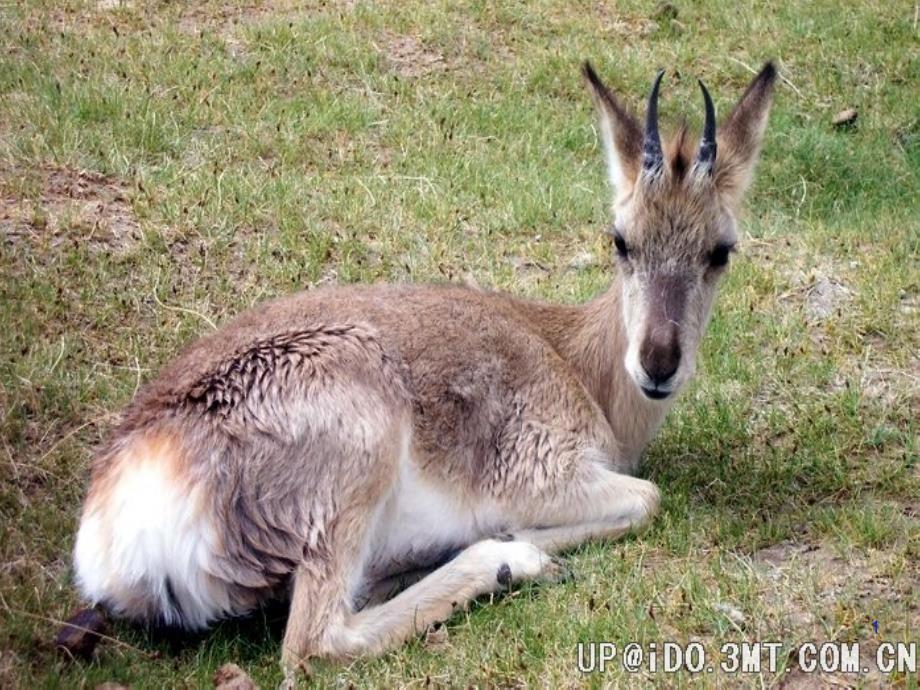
(624, 25)
(788, 563)
(813, 283)
(408, 57)
(529, 272)
(824, 291)
(802, 582)
(878, 383)
(193, 19)
(82, 18)
(226, 19)
(69, 206)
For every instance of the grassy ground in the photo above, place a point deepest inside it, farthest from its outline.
(165, 164)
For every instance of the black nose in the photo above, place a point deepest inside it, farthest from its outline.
(659, 354)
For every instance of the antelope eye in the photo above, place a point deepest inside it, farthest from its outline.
(620, 244)
(719, 256)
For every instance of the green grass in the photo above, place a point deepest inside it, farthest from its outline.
(254, 152)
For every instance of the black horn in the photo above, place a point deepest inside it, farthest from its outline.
(707, 156)
(651, 144)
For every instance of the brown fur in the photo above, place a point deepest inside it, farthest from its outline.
(298, 422)
(741, 136)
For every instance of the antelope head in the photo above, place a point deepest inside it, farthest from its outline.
(674, 222)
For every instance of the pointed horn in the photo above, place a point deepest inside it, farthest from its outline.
(651, 145)
(706, 158)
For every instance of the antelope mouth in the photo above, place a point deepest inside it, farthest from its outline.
(655, 393)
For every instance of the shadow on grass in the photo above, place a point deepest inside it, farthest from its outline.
(245, 639)
(249, 640)
(759, 485)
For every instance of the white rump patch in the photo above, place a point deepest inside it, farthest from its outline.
(146, 545)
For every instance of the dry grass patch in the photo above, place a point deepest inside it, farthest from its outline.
(51, 207)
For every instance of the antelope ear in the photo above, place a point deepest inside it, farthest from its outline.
(741, 135)
(621, 134)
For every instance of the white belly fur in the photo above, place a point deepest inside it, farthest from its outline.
(422, 516)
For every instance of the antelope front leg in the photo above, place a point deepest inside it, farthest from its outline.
(487, 566)
(599, 504)
(560, 539)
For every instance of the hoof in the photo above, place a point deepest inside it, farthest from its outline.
(81, 633)
(504, 575)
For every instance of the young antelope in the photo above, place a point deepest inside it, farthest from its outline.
(333, 444)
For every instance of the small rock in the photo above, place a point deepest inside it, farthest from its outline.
(437, 635)
(824, 297)
(582, 260)
(845, 118)
(111, 686)
(232, 677)
(81, 633)
(731, 612)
